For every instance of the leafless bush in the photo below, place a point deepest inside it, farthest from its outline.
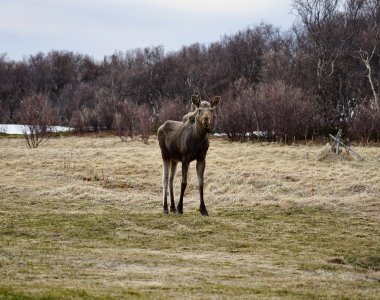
(120, 126)
(125, 121)
(172, 110)
(237, 115)
(288, 112)
(274, 111)
(4, 112)
(86, 119)
(132, 120)
(364, 124)
(77, 121)
(91, 119)
(106, 107)
(37, 115)
(144, 122)
(73, 98)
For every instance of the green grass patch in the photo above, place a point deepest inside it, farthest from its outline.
(69, 245)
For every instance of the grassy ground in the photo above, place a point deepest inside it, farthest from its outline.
(80, 217)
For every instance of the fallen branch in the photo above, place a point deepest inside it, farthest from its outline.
(345, 146)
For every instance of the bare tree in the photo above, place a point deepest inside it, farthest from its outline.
(319, 18)
(38, 116)
(323, 21)
(368, 48)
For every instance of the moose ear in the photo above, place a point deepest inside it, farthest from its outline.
(196, 100)
(214, 101)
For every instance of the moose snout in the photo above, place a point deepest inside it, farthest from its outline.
(206, 123)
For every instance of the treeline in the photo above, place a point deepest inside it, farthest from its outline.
(321, 75)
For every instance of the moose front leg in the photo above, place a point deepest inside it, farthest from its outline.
(165, 176)
(201, 165)
(173, 167)
(185, 169)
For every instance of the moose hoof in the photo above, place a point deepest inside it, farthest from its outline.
(165, 210)
(204, 212)
(173, 210)
(180, 211)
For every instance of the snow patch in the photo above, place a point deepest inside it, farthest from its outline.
(20, 129)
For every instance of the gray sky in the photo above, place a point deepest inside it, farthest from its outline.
(100, 28)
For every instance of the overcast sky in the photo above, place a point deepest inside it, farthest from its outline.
(101, 27)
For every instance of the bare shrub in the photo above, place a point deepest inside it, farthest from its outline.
(144, 122)
(91, 119)
(37, 115)
(132, 120)
(77, 121)
(125, 121)
(4, 112)
(288, 112)
(106, 107)
(237, 115)
(171, 110)
(274, 111)
(364, 124)
(120, 126)
(73, 98)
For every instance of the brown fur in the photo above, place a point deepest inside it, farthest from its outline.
(184, 142)
(190, 116)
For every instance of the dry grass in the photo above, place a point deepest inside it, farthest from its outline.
(81, 218)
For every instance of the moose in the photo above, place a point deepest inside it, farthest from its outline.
(184, 142)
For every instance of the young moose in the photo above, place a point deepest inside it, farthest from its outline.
(184, 142)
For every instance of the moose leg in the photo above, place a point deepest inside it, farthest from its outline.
(201, 165)
(173, 167)
(185, 168)
(165, 176)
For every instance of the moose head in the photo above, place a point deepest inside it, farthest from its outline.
(204, 111)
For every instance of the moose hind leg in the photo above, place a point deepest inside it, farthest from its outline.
(185, 169)
(201, 164)
(165, 185)
(173, 168)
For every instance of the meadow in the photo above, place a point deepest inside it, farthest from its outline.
(81, 218)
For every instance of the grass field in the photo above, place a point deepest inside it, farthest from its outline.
(81, 218)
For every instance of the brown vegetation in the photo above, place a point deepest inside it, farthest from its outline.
(81, 218)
